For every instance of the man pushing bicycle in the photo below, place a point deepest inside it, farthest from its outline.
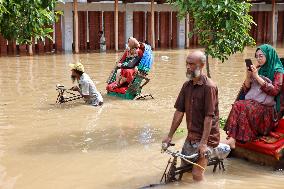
(198, 99)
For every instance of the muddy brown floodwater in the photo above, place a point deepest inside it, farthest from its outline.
(75, 146)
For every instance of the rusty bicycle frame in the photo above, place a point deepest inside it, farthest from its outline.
(173, 172)
(62, 98)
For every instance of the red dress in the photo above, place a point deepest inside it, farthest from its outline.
(281, 113)
(249, 119)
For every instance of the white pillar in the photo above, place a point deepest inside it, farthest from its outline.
(275, 29)
(145, 26)
(76, 26)
(67, 27)
(88, 32)
(116, 25)
(103, 26)
(128, 24)
(187, 30)
(273, 11)
(152, 24)
(158, 24)
(181, 33)
(171, 30)
(53, 36)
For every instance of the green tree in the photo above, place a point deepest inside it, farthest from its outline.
(26, 20)
(2, 8)
(222, 26)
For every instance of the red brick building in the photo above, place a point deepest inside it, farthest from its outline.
(154, 21)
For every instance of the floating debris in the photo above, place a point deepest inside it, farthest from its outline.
(165, 58)
(88, 140)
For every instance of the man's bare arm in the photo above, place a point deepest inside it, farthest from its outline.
(206, 130)
(87, 97)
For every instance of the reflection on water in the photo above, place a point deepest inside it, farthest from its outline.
(43, 145)
(110, 139)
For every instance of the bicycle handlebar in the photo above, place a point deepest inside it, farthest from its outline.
(165, 147)
(178, 154)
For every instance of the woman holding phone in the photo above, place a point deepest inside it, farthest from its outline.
(256, 114)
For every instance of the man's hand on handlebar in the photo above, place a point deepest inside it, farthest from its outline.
(75, 88)
(203, 150)
(166, 143)
(167, 140)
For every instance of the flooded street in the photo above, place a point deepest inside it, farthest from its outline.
(76, 146)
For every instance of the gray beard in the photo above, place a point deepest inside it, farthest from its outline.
(192, 75)
(189, 76)
(73, 78)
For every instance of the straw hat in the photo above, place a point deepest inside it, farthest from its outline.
(77, 66)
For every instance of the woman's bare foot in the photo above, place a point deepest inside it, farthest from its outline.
(115, 86)
(231, 142)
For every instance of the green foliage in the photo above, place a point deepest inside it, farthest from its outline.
(222, 122)
(180, 132)
(24, 20)
(183, 131)
(2, 8)
(222, 26)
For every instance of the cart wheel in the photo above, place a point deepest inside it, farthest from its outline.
(171, 175)
(61, 99)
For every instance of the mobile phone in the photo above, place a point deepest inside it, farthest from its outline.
(282, 61)
(248, 64)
